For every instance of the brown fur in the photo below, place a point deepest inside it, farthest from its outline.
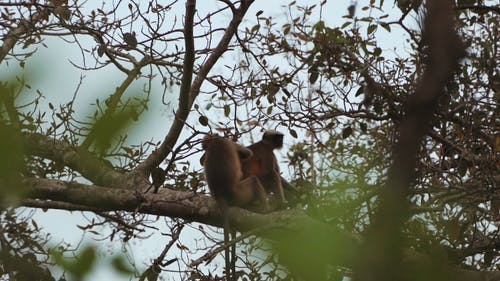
(223, 172)
(264, 165)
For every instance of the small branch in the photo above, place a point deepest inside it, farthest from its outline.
(181, 115)
(220, 49)
(479, 8)
(10, 40)
(155, 268)
(184, 104)
(210, 254)
(384, 238)
(115, 98)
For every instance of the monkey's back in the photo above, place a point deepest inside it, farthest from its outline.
(222, 167)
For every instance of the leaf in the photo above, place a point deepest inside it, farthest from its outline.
(286, 28)
(371, 28)
(386, 26)
(255, 28)
(130, 40)
(121, 266)
(227, 110)
(359, 91)
(346, 132)
(313, 74)
(303, 37)
(100, 50)
(259, 13)
(363, 127)
(293, 133)
(346, 24)
(203, 120)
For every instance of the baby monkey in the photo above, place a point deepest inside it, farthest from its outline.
(223, 173)
(264, 165)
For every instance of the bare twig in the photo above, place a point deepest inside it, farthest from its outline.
(185, 101)
(24, 27)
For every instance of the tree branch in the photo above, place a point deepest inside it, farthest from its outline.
(115, 98)
(87, 164)
(186, 100)
(10, 40)
(384, 238)
(337, 245)
(184, 105)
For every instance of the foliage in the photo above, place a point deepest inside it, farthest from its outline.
(341, 90)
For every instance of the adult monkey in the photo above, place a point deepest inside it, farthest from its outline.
(223, 173)
(264, 165)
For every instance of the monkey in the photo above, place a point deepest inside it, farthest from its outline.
(157, 179)
(223, 173)
(264, 165)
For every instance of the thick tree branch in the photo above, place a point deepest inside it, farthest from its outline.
(87, 164)
(183, 106)
(384, 238)
(176, 204)
(189, 206)
(114, 99)
(186, 100)
(480, 8)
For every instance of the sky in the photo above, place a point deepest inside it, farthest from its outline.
(59, 83)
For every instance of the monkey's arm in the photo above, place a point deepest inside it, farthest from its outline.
(288, 186)
(243, 152)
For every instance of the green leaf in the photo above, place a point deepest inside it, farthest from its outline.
(346, 24)
(122, 266)
(255, 28)
(386, 26)
(286, 28)
(371, 28)
(78, 266)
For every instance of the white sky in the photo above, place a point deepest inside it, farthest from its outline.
(60, 80)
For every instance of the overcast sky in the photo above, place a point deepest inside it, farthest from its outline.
(58, 82)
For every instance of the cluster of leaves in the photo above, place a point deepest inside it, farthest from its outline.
(338, 91)
(351, 103)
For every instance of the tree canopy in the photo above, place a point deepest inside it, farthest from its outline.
(389, 110)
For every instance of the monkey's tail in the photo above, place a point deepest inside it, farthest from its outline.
(233, 257)
(227, 251)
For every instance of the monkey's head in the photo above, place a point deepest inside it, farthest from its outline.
(274, 138)
(205, 143)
